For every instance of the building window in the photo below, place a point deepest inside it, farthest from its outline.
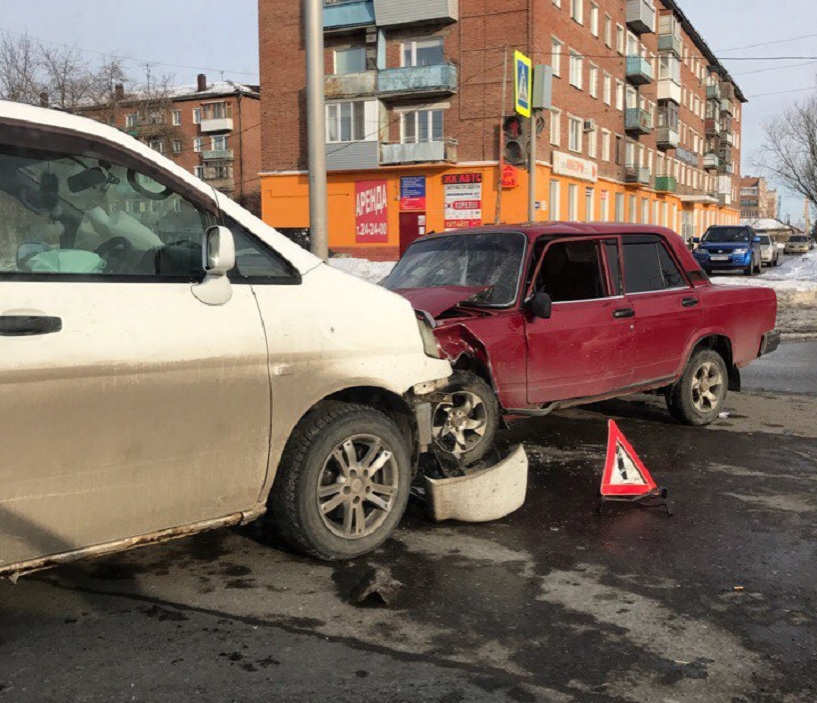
(177, 118)
(669, 68)
(619, 213)
(576, 69)
(632, 97)
(593, 81)
(218, 143)
(198, 171)
(619, 39)
(555, 127)
(575, 131)
(605, 145)
(619, 150)
(196, 115)
(589, 205)
(592, 140)
(608, 31)
(157, 145)
(572, 202)
(216, 111)
(177, 146)
(594, 19)
(619, 95)
(631, 206)
(421, 126)
(350, 60)
(556, 56)
(645, 211)
(555, 206)
(131, 120)
(605, 206)
(608, 89)
(345, 122)
(197, 143)
(423, 52)
(577, 10)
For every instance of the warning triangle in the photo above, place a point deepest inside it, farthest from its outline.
(624, 473)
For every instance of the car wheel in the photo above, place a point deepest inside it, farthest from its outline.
(750, 269)
(699, 395)
(465, 419)
(343, 483)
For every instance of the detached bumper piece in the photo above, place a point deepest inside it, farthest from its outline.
(484, 495)
(770, 342)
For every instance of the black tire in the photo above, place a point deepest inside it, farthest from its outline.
(684, 401)
(750, 269)
(452, 414)
(309, 462)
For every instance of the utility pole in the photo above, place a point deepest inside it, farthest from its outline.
(316, 128)
(532, 168)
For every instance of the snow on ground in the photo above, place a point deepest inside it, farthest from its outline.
(371, 271)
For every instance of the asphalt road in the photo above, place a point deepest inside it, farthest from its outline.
(554, 603)
(792, 368)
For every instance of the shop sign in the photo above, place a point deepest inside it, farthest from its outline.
(371, 212)
(413, 193)
(463, 200)
(574, 167)
(510, 177)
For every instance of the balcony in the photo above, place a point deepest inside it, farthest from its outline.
(669, 43)
(711, 161)
(640, 16)
(724, 199)
(637, 174)
(713, 92)
(350, 85)
(217, 124)
(639, 70)
(666, 184)
(727, 138)
(421, 152)
(391, 13)
(727, 106)
(637, 121)
(726, 168)
(352, 156)
(667, 138)
(668, 89)
(712, 127)
(346, 14)
(417, 81)
(725, 155)
(217, 155)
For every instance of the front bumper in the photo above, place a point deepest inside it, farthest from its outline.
(796, 250)
(734, 261)
(770, 342)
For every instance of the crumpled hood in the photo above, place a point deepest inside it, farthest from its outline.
(435, 301)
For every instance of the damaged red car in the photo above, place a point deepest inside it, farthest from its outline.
(539, 317)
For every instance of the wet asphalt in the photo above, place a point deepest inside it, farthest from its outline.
(554, 603)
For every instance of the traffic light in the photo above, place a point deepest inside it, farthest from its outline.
(517, 140)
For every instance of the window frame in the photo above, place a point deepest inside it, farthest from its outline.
(600, 252)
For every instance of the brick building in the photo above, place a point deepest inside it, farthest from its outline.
(756, 200)
(645, 125)
(210, 129)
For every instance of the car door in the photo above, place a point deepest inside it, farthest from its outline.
(667, 308)
(584, 349)
(129, 405)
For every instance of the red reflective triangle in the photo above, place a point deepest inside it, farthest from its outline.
(624, 473)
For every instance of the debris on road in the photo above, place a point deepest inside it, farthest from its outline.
(377, 586)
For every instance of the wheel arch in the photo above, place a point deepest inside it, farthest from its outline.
(721, 344)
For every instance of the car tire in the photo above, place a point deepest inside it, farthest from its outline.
(328, 463)
(750, 269)
(465, 419)
(698, 396)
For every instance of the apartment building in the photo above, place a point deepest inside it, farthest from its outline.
(756, 200)
(644, 125)
(209, 129)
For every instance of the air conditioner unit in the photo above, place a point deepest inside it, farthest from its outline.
(590, 125)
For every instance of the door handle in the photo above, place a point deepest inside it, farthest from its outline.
(689, 302)
(624, 312)
(28, 325)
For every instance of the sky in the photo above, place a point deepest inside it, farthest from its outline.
(186, 37)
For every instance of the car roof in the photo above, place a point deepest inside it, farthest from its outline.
(534, 231)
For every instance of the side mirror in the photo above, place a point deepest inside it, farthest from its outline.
(696, 240)
(541, 305)
(218, 259)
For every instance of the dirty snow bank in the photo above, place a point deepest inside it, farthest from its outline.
(371, 271)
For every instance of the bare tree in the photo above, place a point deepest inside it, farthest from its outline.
(789, 151)
(19, 69)
(67, 77)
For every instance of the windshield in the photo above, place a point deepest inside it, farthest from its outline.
(797, 239)
(463, 260)
(726, 234)
(764, 239)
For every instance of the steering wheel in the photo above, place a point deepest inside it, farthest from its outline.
(117, 251)
(149, 194)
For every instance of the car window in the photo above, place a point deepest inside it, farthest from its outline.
(764, 239)
(255, 262)
(79, 214)
(572, 271)
(649, 267)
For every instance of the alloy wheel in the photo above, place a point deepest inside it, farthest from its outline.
(707, 387)
(460, 422)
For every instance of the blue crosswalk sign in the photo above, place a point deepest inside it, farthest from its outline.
(523, 83)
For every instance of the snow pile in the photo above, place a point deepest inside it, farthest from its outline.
(795, 280)
(371, 271)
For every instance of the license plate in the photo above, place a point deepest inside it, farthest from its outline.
(717, 257)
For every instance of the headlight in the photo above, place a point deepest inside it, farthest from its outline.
(426, 325)
(740, 251)
(701, 252)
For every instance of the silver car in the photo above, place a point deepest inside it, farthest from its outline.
(798, 244)
(769, 253)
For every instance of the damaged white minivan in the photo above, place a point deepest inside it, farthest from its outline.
(169, 363)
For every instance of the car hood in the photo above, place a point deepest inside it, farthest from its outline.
(435, 301)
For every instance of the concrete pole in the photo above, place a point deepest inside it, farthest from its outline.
(532, 169)
(316, 128)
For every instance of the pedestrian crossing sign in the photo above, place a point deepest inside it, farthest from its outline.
(523, 83)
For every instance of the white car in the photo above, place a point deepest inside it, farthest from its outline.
(172, 364)
(797, 244)
(769, 253)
